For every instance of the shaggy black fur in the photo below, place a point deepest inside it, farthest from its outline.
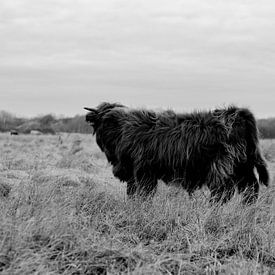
(218, 149)
(244, 144)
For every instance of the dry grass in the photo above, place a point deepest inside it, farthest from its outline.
(62, 212)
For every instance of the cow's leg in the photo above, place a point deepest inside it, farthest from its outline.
(147, 187)
(131, 188)
(191, 191)
(146, 183)
(220, 180)
(250, 194)
(122, 171)
(221, 194)
(247, 183)
(216, 194)
(248, 186)
(221, 186)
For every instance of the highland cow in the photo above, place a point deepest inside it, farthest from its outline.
(217, 149)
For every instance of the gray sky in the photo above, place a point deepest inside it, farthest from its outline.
(57, 56)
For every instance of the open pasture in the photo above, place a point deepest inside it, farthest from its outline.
(63, 212)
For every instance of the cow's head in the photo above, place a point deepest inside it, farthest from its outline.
(95, 115)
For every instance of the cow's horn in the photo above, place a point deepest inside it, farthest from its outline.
(90, 109)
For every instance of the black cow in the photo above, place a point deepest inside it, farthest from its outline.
(218, 149)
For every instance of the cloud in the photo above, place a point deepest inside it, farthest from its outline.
(132, 47)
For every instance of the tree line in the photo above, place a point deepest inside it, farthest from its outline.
(47, 124)
(50, 124)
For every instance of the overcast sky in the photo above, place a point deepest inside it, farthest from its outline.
(57, 56)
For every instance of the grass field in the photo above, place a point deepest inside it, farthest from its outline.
(62, 212)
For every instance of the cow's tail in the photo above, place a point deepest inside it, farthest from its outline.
(261, 167)
(254, 152)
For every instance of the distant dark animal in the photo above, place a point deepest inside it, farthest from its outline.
(218, 149)
(13, 133)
